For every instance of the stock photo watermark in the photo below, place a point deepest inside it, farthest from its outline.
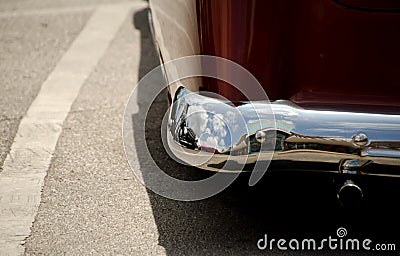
(339, 242)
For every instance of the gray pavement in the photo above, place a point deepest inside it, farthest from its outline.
(30, 48)
(92, 203)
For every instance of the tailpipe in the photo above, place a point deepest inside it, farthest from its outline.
(350, 195)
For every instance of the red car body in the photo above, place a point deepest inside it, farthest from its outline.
(333, 64)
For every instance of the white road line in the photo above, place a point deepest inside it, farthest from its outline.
(26, 165)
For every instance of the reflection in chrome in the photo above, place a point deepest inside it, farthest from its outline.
(354, 166)
(360, 139)
(248, 132)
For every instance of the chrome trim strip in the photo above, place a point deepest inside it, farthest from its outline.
(207, 132)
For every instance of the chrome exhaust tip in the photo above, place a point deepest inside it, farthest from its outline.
(350, 195)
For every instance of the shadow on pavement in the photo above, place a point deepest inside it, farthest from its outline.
(282, 205)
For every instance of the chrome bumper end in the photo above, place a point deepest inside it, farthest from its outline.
(220, 136)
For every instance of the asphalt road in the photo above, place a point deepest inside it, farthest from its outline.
(91, 202)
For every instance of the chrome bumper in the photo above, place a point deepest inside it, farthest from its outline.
(218, 136)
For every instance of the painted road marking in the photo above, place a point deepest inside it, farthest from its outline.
(26, 165)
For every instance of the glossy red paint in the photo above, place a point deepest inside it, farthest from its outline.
(248, 32)
(310, 51)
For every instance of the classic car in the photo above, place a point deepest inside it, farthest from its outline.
(330, 68)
